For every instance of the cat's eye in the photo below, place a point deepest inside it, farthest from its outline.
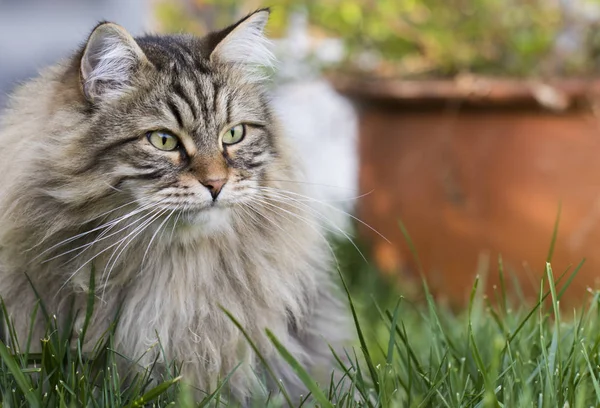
(234, 135)
(163, 141)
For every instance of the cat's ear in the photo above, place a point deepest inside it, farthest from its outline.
(110, 59)
(244, 44)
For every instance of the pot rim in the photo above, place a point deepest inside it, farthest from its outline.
(556, 93)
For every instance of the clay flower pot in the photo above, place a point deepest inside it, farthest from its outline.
(476, 168)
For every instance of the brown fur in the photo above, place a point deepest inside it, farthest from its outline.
(80, 184)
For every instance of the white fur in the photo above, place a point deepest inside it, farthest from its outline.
(109, 58)
(248, 47)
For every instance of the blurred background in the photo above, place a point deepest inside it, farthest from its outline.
(469, 122)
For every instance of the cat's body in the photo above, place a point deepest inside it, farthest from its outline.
(86, 179)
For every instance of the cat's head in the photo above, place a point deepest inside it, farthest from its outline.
(179, 122)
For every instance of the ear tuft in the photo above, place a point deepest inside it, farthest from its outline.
(245, 45)
(109, 61)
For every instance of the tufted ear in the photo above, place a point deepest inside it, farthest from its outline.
(110, 58)
(244, 44)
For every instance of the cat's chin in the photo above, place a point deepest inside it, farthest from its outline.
(209, 221)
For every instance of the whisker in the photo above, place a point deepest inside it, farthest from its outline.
(250, 213)
(106, 225)
(135, 201)
(308, 198)
(309, 183)
(175, 225)
(112, 187)
(276, 196)
(328, 229)
(102, 236)
(291, 204)
(290, 235)
(154, 236)
(91, 259)
(329, 206)
(273, 222)
(125, 243)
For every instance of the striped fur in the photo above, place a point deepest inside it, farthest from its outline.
(80, 184)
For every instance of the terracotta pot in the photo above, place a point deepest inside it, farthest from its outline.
(477, 168)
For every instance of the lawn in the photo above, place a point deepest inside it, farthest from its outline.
(498, 352)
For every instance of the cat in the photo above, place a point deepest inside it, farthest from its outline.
(159, 162)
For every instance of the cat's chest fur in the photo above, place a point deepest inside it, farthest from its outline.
(181, 291)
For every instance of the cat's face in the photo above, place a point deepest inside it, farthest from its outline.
(179, 123)
(192, 141)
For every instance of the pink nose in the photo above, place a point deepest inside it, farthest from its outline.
(214, 186)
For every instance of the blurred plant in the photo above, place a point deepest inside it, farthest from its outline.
(438, 37)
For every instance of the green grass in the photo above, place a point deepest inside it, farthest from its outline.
(496, 353)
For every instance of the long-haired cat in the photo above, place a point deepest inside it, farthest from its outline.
(158, 161)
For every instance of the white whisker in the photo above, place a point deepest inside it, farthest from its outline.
(154, 236)
(308, 198)
(112, 187)
(72, 238)
(90, 260)
(328, 229)
(290, 235)
(328, 206)
(250, 213)
(125, 243)
(309, 183)
(105, 225)
(272, 221)
(175, 225)
(291, 204)
(100, 237)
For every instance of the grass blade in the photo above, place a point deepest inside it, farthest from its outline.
(392, 341)
(260, 356)
(554, 234)
(153, 393)
(306, 379)
(361, 338)
(22, 381)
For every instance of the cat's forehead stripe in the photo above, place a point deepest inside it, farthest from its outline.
(216, 88)
(182, 93)
(176, 113)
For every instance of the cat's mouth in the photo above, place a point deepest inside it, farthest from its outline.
(219, 203)
(207, 209)
(195, 207)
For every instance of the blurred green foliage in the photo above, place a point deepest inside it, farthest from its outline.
(432, 38)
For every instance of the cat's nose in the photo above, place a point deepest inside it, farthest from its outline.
(214, 186)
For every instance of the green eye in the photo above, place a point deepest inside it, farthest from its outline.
(234, 135)
(163, 141)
